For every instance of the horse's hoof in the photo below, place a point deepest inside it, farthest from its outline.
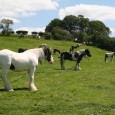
(33, 89)
(11, 90)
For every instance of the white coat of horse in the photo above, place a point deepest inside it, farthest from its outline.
(109, 55)
(25, 61)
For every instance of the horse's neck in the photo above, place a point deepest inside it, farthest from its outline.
(39, 53)
(80, 57)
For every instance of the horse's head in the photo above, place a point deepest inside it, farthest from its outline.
(87, 52)
(48, 55)
(114, 53)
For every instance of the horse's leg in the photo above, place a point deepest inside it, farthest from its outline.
(105, 58)
(77, 66)
(32, 86)
(7, 86)
(62, 61)
(111, 59)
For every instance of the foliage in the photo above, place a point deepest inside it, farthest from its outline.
(48, 36)
(34, 34)
(60, 34)
(5, 26)
(21, 33)
(79, 28)
(54, 23)
(90, 91)
(97, 27)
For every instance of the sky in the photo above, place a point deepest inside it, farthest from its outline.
(35, 15)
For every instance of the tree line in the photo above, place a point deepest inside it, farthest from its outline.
(73, 28)
(6, 30)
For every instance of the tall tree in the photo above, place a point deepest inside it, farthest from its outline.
(98, 27)
(61, 34)
(5, 26)
(83, 23)
(79, 27)
(70, 23)
(54, 23)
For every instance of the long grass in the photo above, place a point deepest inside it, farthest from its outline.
(90, 91)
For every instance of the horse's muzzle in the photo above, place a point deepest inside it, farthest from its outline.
(51, 62)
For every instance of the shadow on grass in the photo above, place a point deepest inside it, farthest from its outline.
(16, 89)
(72, 68)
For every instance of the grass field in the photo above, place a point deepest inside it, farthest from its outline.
(90, 91)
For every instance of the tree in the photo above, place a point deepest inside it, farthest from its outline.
(5, 26)
(70, 23)
(48, 35)
(21, 33)
(80, 28)
(54, 23)
(83, 23)
(98, 27)
(34, 34)
(61, 34)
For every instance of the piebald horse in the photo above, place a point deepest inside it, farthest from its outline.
(73, 47)
(109, 55)
(20, 50)
(25, 61)
(57, 50)
(76, 56)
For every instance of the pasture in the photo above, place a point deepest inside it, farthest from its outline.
(90, 91)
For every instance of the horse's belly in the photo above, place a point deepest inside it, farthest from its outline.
(74, 58)
(19, 68)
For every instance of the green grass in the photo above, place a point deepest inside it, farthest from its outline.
(90, 91)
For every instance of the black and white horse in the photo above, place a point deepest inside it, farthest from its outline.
(109, 55)
(73, 47)
(25, 61)
(42, 45)
(57, 50)
(76, 56)
(20, 50)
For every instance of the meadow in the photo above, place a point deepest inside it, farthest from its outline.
(90, 91)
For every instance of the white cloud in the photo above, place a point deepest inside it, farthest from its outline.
(29, 29)
(17, 8)
(90, 11)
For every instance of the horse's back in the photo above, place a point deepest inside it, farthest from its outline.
(109, 54)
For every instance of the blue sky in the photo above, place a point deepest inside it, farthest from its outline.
(35, 15)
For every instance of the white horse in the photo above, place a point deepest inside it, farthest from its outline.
(25, 61)
(109, 55)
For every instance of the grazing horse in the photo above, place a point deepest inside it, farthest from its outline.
(109, 55)
(42, 45)
(57, 50)
(20, 50)
(76, 56)
(73, 47)
(26, 61)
